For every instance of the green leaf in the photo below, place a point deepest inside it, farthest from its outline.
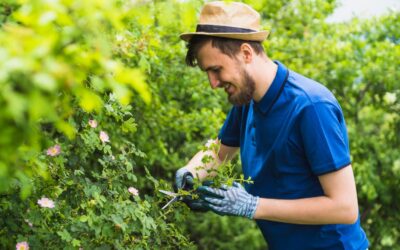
(65, 236)
(83, 218)
(135, 79)
(129, 125)
(45, 81)
(15, 104)
(66, 128)
(89, 101)
(76, 243)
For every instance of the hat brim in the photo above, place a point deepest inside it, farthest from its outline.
(250, 36)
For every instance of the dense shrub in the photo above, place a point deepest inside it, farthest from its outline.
(64, 64)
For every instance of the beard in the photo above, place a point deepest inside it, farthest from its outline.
(245, 92)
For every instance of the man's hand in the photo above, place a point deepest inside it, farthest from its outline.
(229, 200)
(184, 180)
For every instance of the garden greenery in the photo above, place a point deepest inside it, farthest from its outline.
(98, 111)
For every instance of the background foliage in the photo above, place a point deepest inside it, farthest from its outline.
(121, 63)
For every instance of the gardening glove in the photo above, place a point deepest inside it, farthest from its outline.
(229, 200)
(184, 180)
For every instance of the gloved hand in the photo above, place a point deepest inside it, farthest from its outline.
(184, 180)
(229, 200)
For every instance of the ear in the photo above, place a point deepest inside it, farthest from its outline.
(247, 52)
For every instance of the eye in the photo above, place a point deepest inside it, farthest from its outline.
(216, 70)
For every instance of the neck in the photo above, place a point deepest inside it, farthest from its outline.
(264, 75)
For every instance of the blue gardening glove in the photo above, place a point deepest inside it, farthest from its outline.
(229, 200)
(184, 180)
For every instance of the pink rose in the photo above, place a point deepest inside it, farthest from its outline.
(93, 123)
(133, 191)
(54, 151)
(46, 202)
(104, 136)
(22, 246)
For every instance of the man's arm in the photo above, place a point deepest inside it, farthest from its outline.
(224, 153)
(338, 206)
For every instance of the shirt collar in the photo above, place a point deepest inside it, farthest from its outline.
(273, 92)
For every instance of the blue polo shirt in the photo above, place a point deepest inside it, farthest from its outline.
(295, 133)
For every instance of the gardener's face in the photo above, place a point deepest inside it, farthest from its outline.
(226, 72)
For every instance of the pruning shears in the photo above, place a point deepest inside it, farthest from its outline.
(176, 196)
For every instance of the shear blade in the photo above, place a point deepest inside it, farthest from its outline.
(169, 193)
(169, 203)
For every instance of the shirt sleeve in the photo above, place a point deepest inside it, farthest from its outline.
(230, 131)
(324, 136)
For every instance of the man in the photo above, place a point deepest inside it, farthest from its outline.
(291, 134)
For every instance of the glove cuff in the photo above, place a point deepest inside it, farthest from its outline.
(183, 175)
(252, 207)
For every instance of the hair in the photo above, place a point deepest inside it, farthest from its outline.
(227, 46)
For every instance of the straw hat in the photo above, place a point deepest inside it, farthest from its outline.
(228, 19)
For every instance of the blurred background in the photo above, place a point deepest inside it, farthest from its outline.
(362, 9)
(95, 99)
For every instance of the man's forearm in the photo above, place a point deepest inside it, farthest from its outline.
(199, 169)
(315, 210)
(338, 205)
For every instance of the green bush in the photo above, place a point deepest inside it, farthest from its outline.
(94, 185)
(60, 68)
(121, 63)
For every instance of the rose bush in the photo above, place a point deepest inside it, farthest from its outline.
(90, 199)
(99, 110)
(68, 160)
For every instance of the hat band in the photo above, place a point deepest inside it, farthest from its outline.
(221, 29)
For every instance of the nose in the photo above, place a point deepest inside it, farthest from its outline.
(213, 79)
